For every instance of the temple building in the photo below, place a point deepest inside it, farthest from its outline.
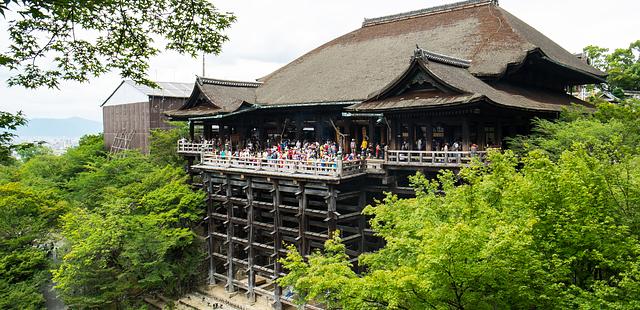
(427, 90)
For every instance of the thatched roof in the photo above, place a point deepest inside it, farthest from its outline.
(365, 60)
(446, 84)
(214, 96)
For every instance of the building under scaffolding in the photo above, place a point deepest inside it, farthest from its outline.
(477, 76)
(133, 110)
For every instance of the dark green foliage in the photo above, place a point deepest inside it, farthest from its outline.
(613, 129)
(8, 123)
(30, 150)
(49, 41)
(556, 228)
(163, 145)
(128, 230)
(622, 65)
(26, 219)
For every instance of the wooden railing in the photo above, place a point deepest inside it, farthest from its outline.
(432, 158)
(336, 168)
(185, 147)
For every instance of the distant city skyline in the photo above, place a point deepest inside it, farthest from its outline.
(269, 34)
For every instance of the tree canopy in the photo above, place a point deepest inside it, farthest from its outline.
(126, 226)
(554, 228)
(75, 40)
(622, 66)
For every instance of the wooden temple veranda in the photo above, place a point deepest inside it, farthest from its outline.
(469, 74)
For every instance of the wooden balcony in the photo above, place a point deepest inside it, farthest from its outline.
(191, 148)
(331, 170)
(435, 159)
(313, 169)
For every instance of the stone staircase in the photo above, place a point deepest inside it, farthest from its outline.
(208, 298)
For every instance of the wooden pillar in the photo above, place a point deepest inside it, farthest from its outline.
(277, 244)
(230, 287)
(498, 131)
(362, 201)
(332, 216)
(429, 137)
(210, 229)
(390, 133)
(299, 128)
(251, 276)
(207, 131)
(372, 132)
(466, 141)
(192, 130)
(412, 135)
(302, 219)
(223, 132)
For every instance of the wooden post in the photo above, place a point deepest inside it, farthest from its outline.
(302, 219)
(251, 277)
(371, 132)
(498, 131)
(210, 229)
(429, 137)
(362, 201)
(332, 216)
(192, 130)
(466, 143)
(412, 135)
(277, 244)
(299, 128)
(207, 131)
(230, 287)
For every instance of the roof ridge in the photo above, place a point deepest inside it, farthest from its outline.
(423, 54)
(427, 11)
(204, 80)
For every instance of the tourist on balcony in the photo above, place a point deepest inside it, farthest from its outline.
(405, 145)
(473, 149)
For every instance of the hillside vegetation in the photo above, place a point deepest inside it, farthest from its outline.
(126, 225)
(552, 224)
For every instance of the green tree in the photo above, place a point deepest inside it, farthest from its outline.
(517, 233)
(26, 219)
(622, 66)
(52, 41)
(30, 150)
(140, 239)
(8, 123)
(163, 149)
(611, 129)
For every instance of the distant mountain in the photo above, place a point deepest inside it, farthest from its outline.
(74, 127)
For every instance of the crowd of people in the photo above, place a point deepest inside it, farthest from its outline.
(328, 151)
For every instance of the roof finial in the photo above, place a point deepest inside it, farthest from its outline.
(418, 53)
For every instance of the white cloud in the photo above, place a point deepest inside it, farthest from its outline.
(270, 33)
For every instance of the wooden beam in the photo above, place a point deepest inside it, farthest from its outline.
(362, 221)
(302, 219)
(251, 277)
(277, 243)
(230, 287)
(332, 215)
(210, 229)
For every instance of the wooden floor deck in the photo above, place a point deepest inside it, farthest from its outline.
(327, 170)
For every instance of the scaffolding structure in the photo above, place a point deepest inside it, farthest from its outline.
(121, 141)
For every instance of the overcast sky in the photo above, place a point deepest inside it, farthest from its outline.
(271, 33)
